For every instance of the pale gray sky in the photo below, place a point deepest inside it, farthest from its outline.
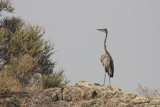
(133, 38)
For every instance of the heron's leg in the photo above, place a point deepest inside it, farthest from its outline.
(109, 81)
(104, 78)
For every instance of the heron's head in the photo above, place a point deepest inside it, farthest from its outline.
(103, 30)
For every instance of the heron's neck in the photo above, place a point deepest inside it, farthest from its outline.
(105, 49)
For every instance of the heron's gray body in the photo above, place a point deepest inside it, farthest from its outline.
(107, 63)
(106, 59)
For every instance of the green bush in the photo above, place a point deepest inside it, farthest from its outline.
(21, 68)
(25, 52)
(15, 75)
(8, 83)
(55, 80)
(19, 38)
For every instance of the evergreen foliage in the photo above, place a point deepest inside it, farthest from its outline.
(23, 52)
(19, 39)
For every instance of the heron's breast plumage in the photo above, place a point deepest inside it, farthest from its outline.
(105, 59)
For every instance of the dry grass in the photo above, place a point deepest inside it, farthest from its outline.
(145, 91)
(56, 80)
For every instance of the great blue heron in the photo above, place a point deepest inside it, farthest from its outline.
(106, 59)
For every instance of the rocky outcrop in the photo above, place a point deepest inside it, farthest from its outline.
(83, 94)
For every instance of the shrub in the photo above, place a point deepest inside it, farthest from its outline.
(15, 75)
(55, 80)
(6, 5)
(20, 38)
(145, 91)
(20, 69)
(7, 83)
(24, 52)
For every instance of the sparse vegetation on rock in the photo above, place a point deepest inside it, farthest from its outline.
(145, 91)
(6, 5)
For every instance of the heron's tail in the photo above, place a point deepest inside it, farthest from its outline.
(110, 74)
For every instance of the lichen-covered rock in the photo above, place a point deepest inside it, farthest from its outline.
(73, 94)
(95, 86)
(83, 94)
(122, 97)
(140, 100)
(155, 101)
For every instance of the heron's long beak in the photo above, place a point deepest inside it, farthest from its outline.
(102, 30)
